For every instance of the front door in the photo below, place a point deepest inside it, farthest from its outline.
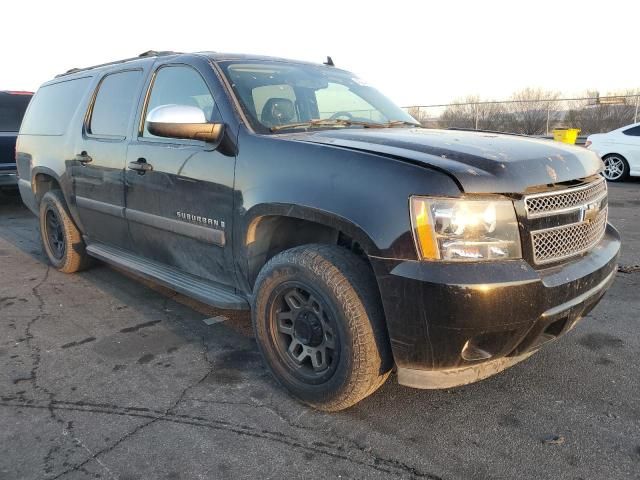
(179, 207)
(100, 157)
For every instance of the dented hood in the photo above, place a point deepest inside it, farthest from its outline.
(481, 162)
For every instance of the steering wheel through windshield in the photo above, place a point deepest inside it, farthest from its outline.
(341, 113)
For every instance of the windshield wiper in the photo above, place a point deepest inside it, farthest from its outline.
(326, 122)
(341, 122)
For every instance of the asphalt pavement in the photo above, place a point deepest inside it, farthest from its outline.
(103, 375)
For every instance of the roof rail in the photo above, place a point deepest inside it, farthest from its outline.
(147, 54)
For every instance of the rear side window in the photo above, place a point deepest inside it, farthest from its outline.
(53, 107)
(634, 131)
(12, 108)
(113, 106)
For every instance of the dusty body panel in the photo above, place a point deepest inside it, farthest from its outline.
(504, 309)
(481, 162)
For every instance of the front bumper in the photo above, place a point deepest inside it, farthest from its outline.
(454, 323)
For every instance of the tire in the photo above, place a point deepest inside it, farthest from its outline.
(616, 167)
(61, 239)
(339, 322)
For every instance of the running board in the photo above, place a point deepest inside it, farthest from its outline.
(202, 290)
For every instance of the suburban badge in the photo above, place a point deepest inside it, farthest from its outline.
(210, 222)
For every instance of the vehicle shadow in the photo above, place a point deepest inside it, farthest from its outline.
(143, 298)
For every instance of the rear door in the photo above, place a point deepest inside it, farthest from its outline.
(100, 157)
(180, 211)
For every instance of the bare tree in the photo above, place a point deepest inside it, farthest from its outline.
(597, 116)
(472, 112)
(493, 116)
(416, 112)
(532, 109)
(534, 112)
(460, 114)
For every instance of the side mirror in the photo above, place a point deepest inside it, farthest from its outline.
(183, 121)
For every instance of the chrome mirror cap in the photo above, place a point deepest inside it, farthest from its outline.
(173, 113)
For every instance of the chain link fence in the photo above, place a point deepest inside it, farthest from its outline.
(533, 116)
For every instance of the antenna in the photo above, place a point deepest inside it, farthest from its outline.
(329, 62)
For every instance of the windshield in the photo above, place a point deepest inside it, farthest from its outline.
(278, 96)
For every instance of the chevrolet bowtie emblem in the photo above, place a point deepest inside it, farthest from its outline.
(589, 212)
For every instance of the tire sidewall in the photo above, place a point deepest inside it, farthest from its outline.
(273, 277)
(51, 202)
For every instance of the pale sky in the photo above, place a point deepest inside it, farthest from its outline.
(416, 52)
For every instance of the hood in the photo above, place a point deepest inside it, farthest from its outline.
(481, 162)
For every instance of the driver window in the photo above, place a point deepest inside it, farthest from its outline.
(338, 101)
(180, 85)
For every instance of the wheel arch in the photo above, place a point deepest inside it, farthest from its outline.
(44, 179)
(271, 229)
(611, 153)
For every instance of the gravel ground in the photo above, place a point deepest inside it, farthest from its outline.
(106, 376)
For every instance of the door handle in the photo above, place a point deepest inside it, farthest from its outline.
(141, 166)
(84, 158)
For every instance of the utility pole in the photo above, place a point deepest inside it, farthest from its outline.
(635, 117)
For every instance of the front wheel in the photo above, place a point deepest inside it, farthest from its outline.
(319, 324)
(616, 168)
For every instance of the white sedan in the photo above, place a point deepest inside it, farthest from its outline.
(619, 150)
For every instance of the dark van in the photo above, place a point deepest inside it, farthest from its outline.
(12, 107)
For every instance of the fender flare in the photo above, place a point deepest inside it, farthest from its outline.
(64, 186)
(327, 219)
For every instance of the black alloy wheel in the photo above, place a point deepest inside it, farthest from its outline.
(303, 332)
(55, 234)
(61, 240)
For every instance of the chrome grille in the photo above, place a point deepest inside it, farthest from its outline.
(558, 243)
(565, 223)
(548, 203)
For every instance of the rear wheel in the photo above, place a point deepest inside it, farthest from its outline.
(61, 239)
(319, 324)
(616, 168)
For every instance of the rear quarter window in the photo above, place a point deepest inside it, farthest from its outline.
(53, 106)
(113, 106)
(633, 131)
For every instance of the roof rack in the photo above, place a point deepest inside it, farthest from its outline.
(147, 54)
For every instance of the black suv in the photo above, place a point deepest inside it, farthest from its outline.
(358, 239)
(12, 107)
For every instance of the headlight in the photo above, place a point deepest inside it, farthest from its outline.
(465, 230)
